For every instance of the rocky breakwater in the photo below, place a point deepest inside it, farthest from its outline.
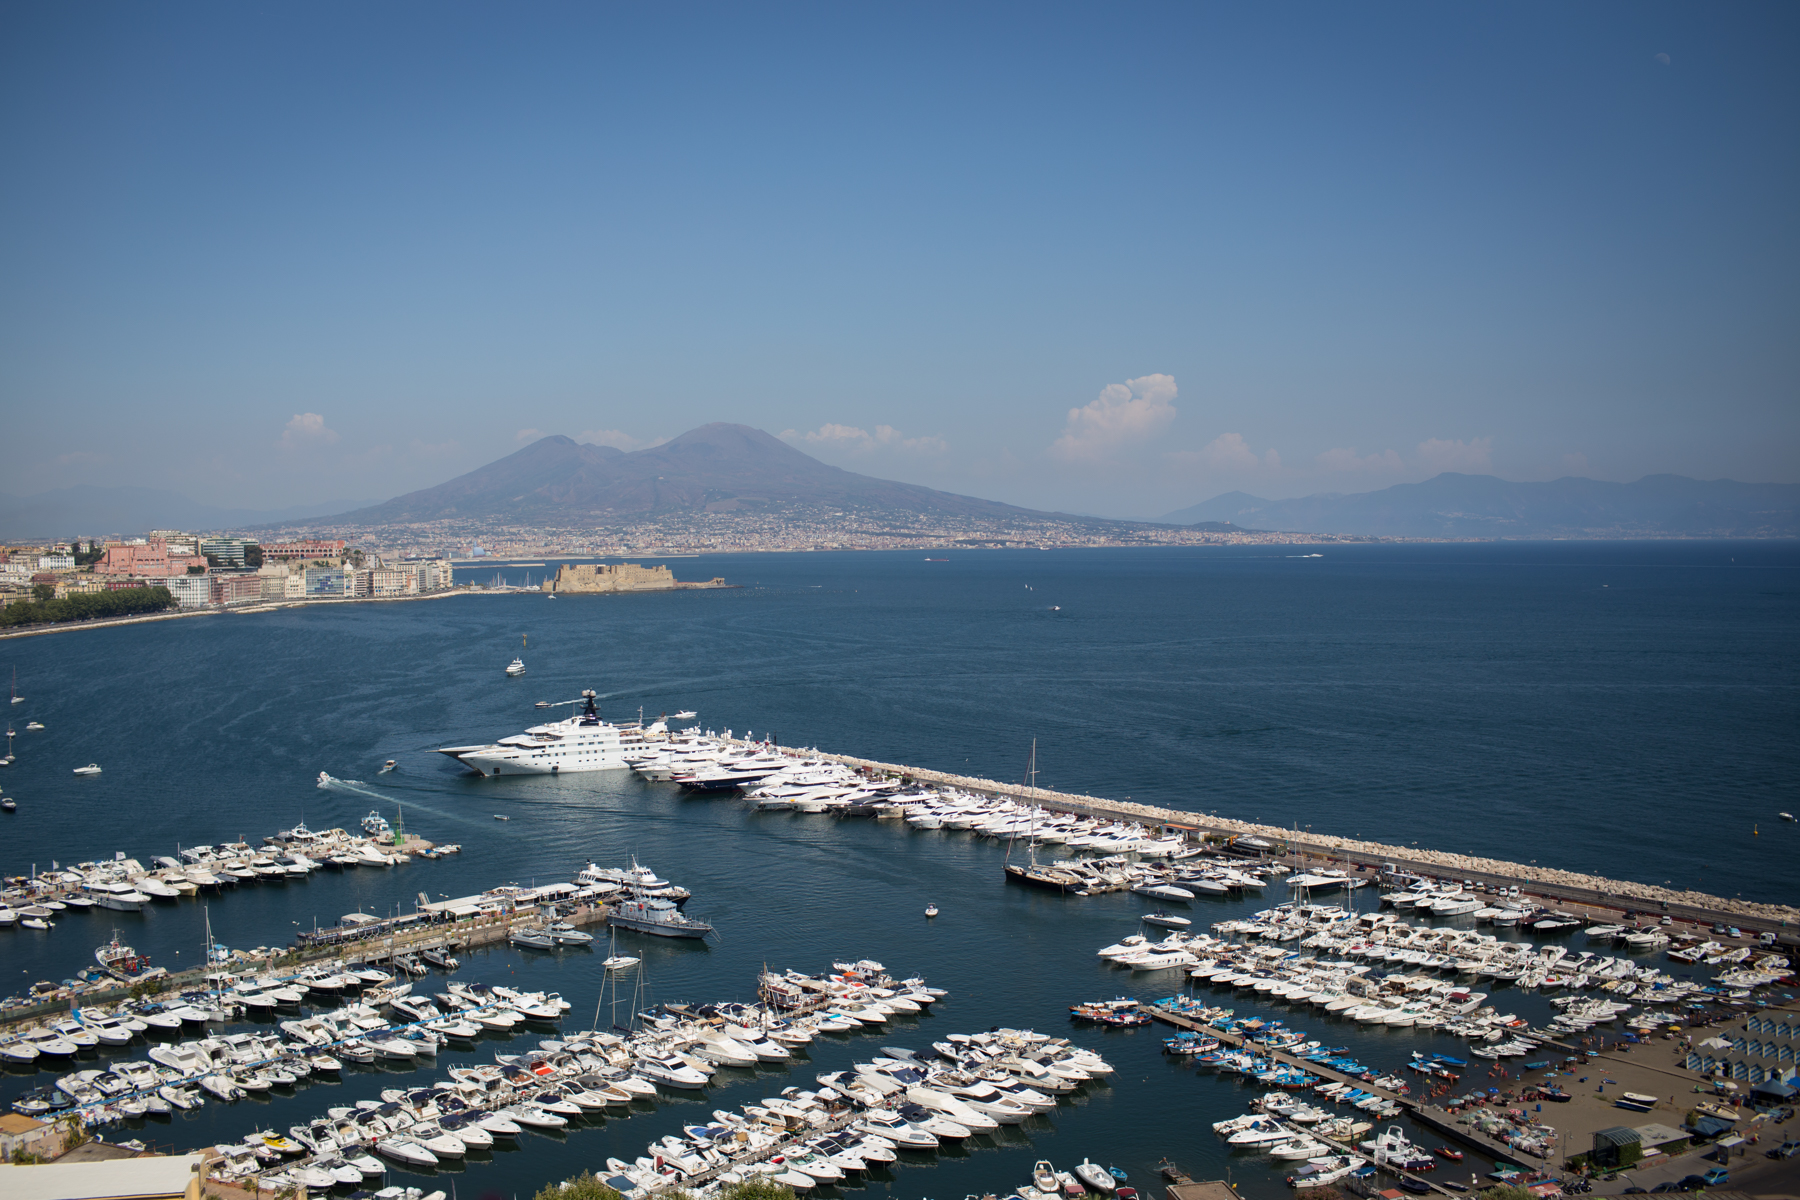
(1351, 848)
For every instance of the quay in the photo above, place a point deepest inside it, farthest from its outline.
(377, 943)
(1606, 898)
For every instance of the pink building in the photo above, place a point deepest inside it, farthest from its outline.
(151, 561)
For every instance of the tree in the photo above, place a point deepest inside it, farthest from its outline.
(585, 1186)
(1506, 1192)
(761, 1187)
(199, 570)
(253, 555)
(45, 592)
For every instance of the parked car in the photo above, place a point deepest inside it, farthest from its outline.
(1787, 1149)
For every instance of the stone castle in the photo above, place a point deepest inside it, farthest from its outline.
(624, 577)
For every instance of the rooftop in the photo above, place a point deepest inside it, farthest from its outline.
(153, 1178)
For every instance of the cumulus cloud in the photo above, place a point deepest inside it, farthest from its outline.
(857, 440)
(306, 430)
(617, 439)
(1230, 452)
(1441, 454)
(1347, 459)
(1123, 414)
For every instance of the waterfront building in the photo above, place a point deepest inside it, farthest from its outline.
(304, 550)
(235, 587)
(190, 591)
(324, 581)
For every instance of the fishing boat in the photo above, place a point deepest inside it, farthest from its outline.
(120, 960)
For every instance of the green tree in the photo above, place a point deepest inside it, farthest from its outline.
(44, 592)
(1506, 1192)
(761, 1187)
(253, 556)
(585, 1186)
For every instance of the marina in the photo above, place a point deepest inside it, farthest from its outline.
(831, 857)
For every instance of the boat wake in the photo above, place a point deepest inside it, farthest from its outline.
(355, 787)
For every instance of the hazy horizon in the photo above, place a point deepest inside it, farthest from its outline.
(1107, 261)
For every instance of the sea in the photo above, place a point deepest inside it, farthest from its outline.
(1621, 709)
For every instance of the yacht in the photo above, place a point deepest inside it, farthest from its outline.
(516, 667)
(583, 742)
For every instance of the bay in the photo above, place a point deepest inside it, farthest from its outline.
(1622, 709)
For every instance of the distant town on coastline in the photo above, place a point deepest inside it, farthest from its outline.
(726, 488)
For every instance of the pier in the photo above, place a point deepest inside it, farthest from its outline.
(1606, 898)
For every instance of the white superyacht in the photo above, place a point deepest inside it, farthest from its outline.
(583, 742)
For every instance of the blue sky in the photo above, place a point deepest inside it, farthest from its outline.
(1111, 259)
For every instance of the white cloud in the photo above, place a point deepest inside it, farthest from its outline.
(617, 440)
(856, 440)
(1441, 454)
(1230, 452)
(305, 430)
(1123, 413)
(528, 435)
(1347, 459)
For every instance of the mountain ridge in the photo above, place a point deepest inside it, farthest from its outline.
(720, 467)
(1457, 505)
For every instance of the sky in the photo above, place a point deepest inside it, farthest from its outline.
(1111, 258)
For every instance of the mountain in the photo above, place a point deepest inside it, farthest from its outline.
(715, 468)
(103, 511)
(1453, 505)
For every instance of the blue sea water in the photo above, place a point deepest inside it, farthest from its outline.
(1626, 710)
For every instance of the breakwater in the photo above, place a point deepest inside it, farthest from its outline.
(1548, 882)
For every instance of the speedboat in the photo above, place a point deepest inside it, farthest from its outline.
(387, 766)
(90, 769)
(619, 962)
(1096, 1177)
(931, 910)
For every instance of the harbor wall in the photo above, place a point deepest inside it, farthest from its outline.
(1549, 882)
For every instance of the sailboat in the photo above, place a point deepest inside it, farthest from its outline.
(8, 760)
(517, 667)
(1032, 873)
(16, 698)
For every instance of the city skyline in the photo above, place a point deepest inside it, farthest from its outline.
(1113, 263)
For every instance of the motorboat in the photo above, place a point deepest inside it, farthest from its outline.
(531, 937)
(620, 962)
(931, 910)
(90, 769)
(1097, 1177)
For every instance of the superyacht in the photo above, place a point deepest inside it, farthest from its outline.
(583, 742)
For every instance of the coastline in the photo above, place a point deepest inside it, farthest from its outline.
(259, 607)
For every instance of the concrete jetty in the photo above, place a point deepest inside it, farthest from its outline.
(1548, 883)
